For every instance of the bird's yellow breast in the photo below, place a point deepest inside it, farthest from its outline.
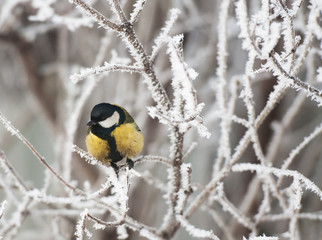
(129, 141)
(97, 147)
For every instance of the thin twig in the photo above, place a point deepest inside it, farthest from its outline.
(136, 50)
(224, 148)
(138, 7)
(106, 224)
(104, 69)
(17, 133)
(119, 11)
(296, 81)
(17, 219)
(13, 171)
(97, 16)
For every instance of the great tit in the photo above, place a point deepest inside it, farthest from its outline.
(113, 135)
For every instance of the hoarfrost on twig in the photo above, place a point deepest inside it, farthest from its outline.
(277, 52)
(307, 184)
(194, 231)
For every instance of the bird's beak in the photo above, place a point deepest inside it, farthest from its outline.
(91, 123)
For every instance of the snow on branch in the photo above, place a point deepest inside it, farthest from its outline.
(241, 82)
(295, 82)
(99, 224)
(7, 9)
(185, 107)
(252, 43)
(13, 224)
(46, 13)
(97, 16)
(164, 34)
(2, 207)
(152, 180)
(45, 10)
(136, 50)
(117, 10)
(84, 154)
(261, 238)
(10, 128)
(183, 76)
(81, 229)
(243, 22)
(72, 23)
(122, 232)
(194, 231)
(9, 170)
(14, 131)
(135, 14)
(186, 189)
(307, 183)
(287, 162)
(229, 207)
(75, 78)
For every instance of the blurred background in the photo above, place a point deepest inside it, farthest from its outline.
(39, 52)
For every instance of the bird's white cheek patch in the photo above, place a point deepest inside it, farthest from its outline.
(112, 120)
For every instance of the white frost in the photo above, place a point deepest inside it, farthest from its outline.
(194, 231)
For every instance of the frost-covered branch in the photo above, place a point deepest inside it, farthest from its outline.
(138, 7)
(307, 184)
(5, 164)
(196, 232)
(75, 78)
(14, 131)
(230, 149)
(136, 49)
(97, 16)
(164, 34)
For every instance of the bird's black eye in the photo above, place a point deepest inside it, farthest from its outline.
(91, 123)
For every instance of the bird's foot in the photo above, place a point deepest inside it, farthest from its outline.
(116, 168)
(130, 163)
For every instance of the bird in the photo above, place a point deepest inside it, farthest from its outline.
(113, 135)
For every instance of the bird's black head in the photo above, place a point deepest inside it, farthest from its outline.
(104, 118)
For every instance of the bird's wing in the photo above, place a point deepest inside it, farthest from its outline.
(129, 118)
